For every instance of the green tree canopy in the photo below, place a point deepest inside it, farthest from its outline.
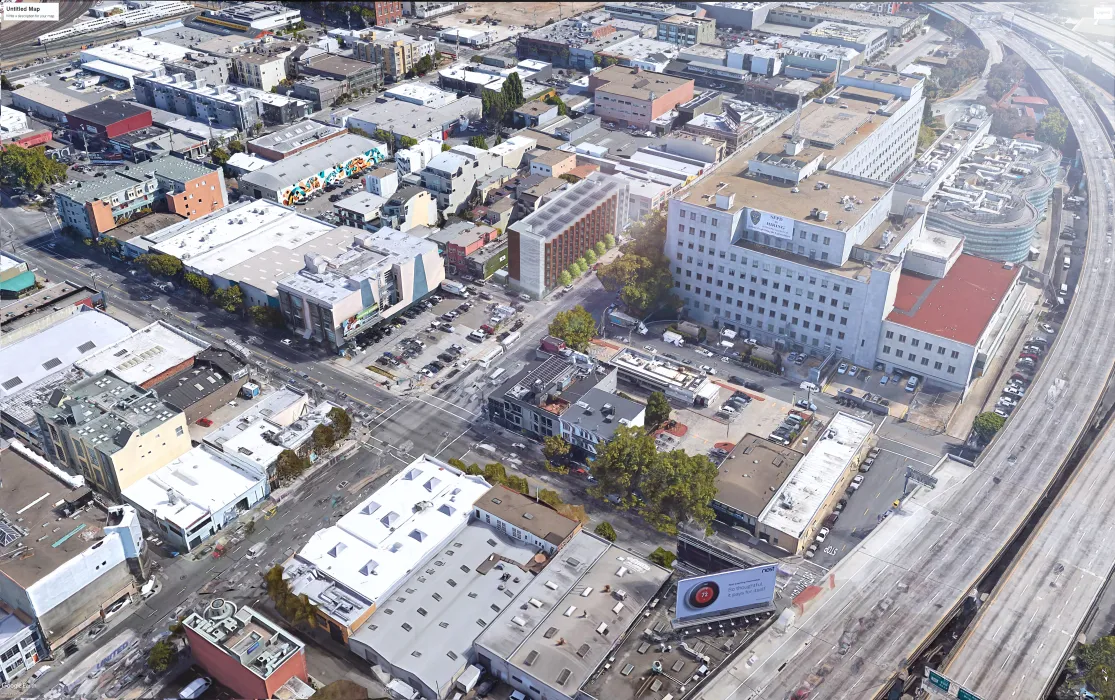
(159, 264)
(590, 256)
(323, 438)
(620, 465)
(219, 155)
(290, 465)
(199, 282)
(555, 448)
(342, 422)
(955, 30)
(987, 424)
(407, 141)
(662, 557)
(161, 655)
(680, 486)
(495, 473)
(606, 531)
(445, 147)
(610, 241)
(30, 168)
(230, 298)
(267, 316)
(600, 248)
(575, 326)
(424, 65)
(565, 279)
(550, 498)
(658, 410)
(478, 142)
(236, 146)
(1053, 128)
(512, 91)
(296, 608)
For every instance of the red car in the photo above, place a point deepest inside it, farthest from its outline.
(580, 472)
(1028, 356)
(204, 422)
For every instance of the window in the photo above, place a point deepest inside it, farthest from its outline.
(914, 342)
(898, 354)
(936, 365)
(928, 347)
(178, 431)
(925, 360)
(952, 370)
(901, 338)
(955, 354)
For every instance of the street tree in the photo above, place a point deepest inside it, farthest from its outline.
(600, 248)
(987, 424)
(565, 279)
(342, 422)
(199, 282)
(290, 465)
(622, 463)
(658, 410)
(555, 449)
(267, 316)
(478, 141)
(161, 655)
(550, 498)
(662, 557)
(678, 487)
(575, 326)
(30, 168)
(590, 256)
(1053, 128)
(160, 264)
(323, 438)
(230, 298)
(606, 531)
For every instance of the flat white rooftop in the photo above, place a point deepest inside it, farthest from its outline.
(801, 495)
(191, 487)
(141, 53)
(145, 354)
(379, 542)
(234, 234)
(421, 93)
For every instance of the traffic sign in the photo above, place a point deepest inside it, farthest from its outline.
(938, 681)
(949, 686)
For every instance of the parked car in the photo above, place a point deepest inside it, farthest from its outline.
(196, 688)
(754, 386)
(884, 379)
(843, 368)
(204, 422)
(1046, 328)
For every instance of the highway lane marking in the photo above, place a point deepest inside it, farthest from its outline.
(916, 449)
(928, 464)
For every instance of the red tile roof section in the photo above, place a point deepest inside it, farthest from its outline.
(1029, 100)
(958, 307)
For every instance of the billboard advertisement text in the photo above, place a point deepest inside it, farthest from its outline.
(770, 224)
(719, 594)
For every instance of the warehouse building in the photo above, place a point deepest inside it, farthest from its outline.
(294, 178)
(102, 121)
(293, 139)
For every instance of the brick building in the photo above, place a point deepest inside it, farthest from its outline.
(551, 239)
(634, 97)
(101, 121)
(467, 243)
(386, 12)
(244, 651)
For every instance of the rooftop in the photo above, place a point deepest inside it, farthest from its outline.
(362, 203)
(527, 514)
(959, 306)
(191, 487)
(304, 164)
(376, 544)
(252, 640)
(56, 348)
(295, 136)
(437, 613)
(574, 612)
(639, 84)
(755, 470)
(661, 369)
(18, 313)
(566, 209)
(235, 234)
(338, 65)
(844, 32)
(35, 538)
(212, 369)
(794, 506)
(169, 166)
(266, 269)
(145, 354)
(63, 101)
(107, 112)
(419, 92)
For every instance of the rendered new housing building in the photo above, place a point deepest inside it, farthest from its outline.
(551, 239)
(63, 559)
(557, 398)
(397, 54)
(572, 614)
(686, 31)
(169, 183)
(112, 432)
(333, 299)
(772, 245)
(951, 313)
(351, 569)
(232, 106)
(243, 650)
(996, 197)
(301, 174)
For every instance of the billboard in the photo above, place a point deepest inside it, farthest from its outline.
(720, 594)
(770, 224)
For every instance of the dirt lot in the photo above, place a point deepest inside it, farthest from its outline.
(527, 14)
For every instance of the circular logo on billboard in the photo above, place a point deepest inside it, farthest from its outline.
(703, 595)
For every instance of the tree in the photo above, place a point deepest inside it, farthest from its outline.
(445, 147)
(408, 141)
(342, 423)
(1009, 122)
(161, 655)
(662, 557)
(821, 90)
(495, 105)
(296, 608)
(290, 465)
(575, 326)
(987, 424)
(5, 84)
(323, 438)
(550, 498)
(658, 410)
(267, 316)
(383, 136)
(678, 487)
(1053, 128)
(495, 473)
(609, 241)
(926, 137)
(424, 65)
(199, 282)
(955, 30)
(109, 245)
(555, 448)
(518, 483)
(512, 90)
(583, 263)
(570, 178)
(620, 465)
(590, 256)
(565, 279)
(606, 531)
(1098, 662)
(563, 109)
(219, 156)
(160, 264)
(236, 146)
(30, 168)
(600, 248)
(478, 142)
(230, 298)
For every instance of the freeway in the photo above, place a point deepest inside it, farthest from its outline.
(880, 609)
(1101, 56)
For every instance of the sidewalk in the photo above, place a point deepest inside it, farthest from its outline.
(347, 448)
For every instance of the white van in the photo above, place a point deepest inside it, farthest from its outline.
(912, 383)
(1068, 263)
(1064, 289)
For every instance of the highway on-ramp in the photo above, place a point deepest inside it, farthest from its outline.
(1016, 646)
(881, 608)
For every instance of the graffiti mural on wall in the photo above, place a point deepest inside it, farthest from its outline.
(299, 191)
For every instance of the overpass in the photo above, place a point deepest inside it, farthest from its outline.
(885, 603)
